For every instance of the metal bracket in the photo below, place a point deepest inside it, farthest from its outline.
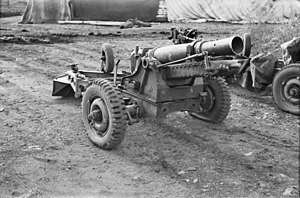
(116, 72)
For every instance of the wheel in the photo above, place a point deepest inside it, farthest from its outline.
(286, 88)
(107, 58)
(215, 106)
(104, 116)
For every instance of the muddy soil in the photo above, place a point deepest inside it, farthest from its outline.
(45, 152)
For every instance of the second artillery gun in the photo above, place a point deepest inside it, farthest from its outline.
(184, 77)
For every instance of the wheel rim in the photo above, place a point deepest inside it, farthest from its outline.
(103, 60)
(290, 91)
(207, 102)
(98, 117)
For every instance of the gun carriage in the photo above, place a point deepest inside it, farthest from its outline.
(184, 77)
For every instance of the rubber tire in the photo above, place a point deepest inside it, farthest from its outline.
(114, 102)
(107, 58)
(290, 71)
(222, 104)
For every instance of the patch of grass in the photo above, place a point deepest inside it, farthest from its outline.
(269, 37)
(12, 7)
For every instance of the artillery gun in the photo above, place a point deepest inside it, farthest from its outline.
(183, 77)
(188, 35)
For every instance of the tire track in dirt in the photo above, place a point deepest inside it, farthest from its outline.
(270, 125)
(171, 150)
(48, 58)
(230, 157)
(289, 145)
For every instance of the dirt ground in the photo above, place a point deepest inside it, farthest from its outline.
(45, 152)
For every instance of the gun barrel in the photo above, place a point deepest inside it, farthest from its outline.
(228, 46)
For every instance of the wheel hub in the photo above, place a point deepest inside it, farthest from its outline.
(98, 117)
(294, 92)
(95, 115)
(291, 91)
(207, 102)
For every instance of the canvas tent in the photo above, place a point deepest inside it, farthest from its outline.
(272, 11)
(114, 10)
(48, 11)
